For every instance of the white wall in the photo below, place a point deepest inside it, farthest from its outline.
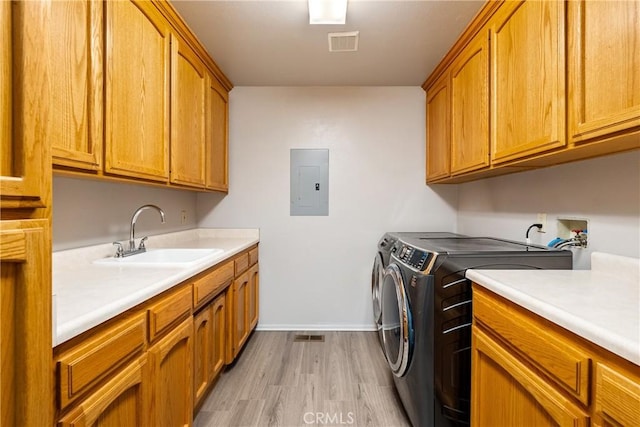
(605, 190)
(315, 271)
(89, 212)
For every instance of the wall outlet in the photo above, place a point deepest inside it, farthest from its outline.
(542, 219)
(183, 217)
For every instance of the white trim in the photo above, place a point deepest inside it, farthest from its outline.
(316, 327)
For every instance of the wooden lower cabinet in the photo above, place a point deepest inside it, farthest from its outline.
(209, 347)
(508, 393)
(242, 303)
(527, 371)
(254, 284)
(617, 397)
(239, 314)
(151, 366)
(171, 362)
(123, 401)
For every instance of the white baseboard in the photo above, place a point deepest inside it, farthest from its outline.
(315, 327)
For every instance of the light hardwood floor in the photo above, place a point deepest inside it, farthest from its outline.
(343, 381)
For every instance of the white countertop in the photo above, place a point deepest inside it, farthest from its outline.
(601, 305)
(87, 294)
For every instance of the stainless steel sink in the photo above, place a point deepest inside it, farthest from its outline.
(166, 257)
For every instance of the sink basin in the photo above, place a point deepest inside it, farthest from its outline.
(169, 257)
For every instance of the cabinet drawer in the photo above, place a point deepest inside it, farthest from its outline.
(242, 263)
(168, 311)
(566, 364)
(207, 286)
(82, 367)
(617, 397)
(253, 256)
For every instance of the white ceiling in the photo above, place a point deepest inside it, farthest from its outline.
(270, 43)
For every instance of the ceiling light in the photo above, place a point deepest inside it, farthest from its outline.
(330, 12)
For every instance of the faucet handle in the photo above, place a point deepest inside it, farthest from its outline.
(119, 249)
(141, 246)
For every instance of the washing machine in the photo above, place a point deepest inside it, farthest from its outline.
(381, 261)
(426, 316)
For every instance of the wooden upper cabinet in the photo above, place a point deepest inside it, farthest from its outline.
(604, 68)
(25, 101)
(527, 79)
(439, 129)
(188, 99)
(77, 89)
(216, 164)
(469, 107)
(137, 59)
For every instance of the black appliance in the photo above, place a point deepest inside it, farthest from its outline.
(426, 312)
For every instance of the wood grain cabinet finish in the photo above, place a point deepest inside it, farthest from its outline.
(188, 115)
(242, 303)
(25, 98)
(212, 282)
(566, 365)
(123, 401)
(217, 136)
(171, 361)
(470, 107)
(617, 401)
(25, 322)
(137, 59)
(209, 347)
(527, 79)
(168, 311)
(77, 89)
(26, 376)
(253, 304)
(529, 371)
(219, 311)
(508, 393)
(238, 327)
(439, 129)
(202, 353)
(604, 68)
(90, 362)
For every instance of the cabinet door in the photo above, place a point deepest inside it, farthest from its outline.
(507, 393)
(25, 323)
(240, 314)
(77, 87)
(137, 91)
(202, 357)
(188, 93)
(469, 107)
(216, 165)
(438, 129)
(171, 360)
(527, 79)
(122, 401)
(604, 68)
(617, 397)
(254, 284)
(25, 99)
(219, 312)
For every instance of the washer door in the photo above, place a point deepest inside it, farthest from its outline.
(397, 326)
(377, 274)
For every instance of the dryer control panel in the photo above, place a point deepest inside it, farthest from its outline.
(413, 257)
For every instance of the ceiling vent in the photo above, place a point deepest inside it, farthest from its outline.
(344, 42)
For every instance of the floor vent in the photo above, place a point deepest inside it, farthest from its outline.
(344, 42)
(308, 338)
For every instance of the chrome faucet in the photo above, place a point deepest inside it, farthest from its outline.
(121, 252)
